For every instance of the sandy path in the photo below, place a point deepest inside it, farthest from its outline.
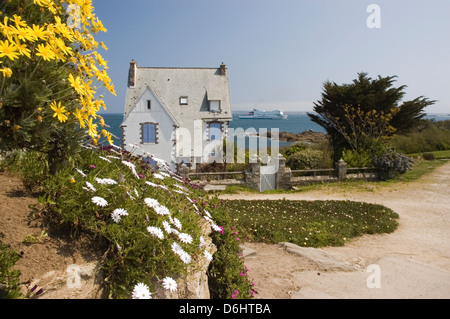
(414, 261)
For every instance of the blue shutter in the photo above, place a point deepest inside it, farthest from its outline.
(149, 133)
(145, 136)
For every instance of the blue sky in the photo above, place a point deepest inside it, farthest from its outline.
(279, 52)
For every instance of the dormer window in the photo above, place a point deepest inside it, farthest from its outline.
(214, 106)
(149, 104)
(183, 100)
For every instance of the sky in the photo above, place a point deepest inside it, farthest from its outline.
(280, 52)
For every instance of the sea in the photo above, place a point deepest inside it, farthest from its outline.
(296, 122)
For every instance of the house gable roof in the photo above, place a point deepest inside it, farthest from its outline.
(169, 84)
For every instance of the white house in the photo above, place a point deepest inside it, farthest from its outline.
(179, 115)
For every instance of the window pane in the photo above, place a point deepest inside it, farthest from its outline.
(214, 131)
(214, 106)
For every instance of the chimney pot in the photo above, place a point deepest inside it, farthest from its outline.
(223, 69)
(132, 74)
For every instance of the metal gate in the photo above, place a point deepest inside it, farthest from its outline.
(268, 177)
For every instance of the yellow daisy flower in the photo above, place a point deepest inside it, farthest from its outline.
(59, 111)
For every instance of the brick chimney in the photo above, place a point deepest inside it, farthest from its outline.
(223, 69)
(132, 74)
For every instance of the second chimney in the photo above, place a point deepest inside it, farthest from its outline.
(132, 74)
(223, 69)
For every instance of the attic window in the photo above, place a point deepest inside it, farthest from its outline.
(149, 104)
(183, 100)
(214, 106)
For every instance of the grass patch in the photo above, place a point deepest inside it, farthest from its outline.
(309, 223)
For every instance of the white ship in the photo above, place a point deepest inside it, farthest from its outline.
(267, 115)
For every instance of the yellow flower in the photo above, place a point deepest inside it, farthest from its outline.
(9, 50)
(76, 84)
(39, 33)
(108, 136)
(16, 127)
(72, 180)
(59, 111)
(22, 48)
(46, 52)
(24, 34)
(81, 117)
(92, 128)
(18, 21)
(7, 72)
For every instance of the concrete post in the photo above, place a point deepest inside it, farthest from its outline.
(341, 168)
(284, 174)
(253, 176)
(183, 171)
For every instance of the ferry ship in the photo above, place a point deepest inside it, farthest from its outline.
(266, 115)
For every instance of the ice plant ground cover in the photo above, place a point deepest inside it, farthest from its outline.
(149, 227)
(309, 223)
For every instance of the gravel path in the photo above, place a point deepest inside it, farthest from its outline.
(412, 262)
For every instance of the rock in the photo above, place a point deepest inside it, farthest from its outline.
(323, 260)
(78, 281)
(247, 252)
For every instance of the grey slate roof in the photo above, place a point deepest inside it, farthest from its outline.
(169, 84)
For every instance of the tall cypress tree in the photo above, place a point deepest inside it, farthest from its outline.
(344, 109)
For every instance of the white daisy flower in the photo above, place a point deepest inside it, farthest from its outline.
(185, 238)
(207, 213)
(155, 231)
(105, 159)
(141, 291)
(105, 181)
(100, 201)
(184, 256)
(90, 187)
(81, 172)
(215, 227)
(170, 284)
(151, 184)
(132, 167)
(118, 213)
(158, 176)
(151, 202)
(176, 222)
(167, 227)
(208, 255)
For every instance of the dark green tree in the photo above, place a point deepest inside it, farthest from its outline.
(365, 112)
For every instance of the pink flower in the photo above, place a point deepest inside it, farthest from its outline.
(237, 239)
(92, 166)
(233, 296)
(236, 292)
(221, 230)
(242, 274)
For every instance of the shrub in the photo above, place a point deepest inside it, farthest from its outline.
(428, 156)
(357, 159)
(305, 159)
(9, 279)
(391, 162)
(147, 221)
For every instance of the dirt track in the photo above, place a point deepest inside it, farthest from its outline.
(413, 262)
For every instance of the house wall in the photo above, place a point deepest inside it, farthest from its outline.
(164, 148)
